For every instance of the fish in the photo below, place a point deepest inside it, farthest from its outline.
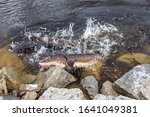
(74, 60)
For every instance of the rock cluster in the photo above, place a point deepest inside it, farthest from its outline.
(57, 83)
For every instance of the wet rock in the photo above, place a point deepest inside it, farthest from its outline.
(109, 97)
(91, 85)
(15, 76)
(56, 77)
(145, 90)
(130, 84)
(10, 59)
(107, 89)
(30, 95)
(9, 97)
(3, 87)
(135, 58)
(62, 94)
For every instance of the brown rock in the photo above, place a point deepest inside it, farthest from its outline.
(107, 89)
(30, 95)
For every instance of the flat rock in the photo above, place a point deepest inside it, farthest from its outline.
(107, 89)
(56, 77)
(62, 94)
(131, 83)
(30, 95)
(91, 85)
(109, 97)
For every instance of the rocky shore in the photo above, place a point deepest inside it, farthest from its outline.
(83, 79)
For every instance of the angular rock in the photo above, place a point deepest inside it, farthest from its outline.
(9, 97)
(107, 89)
(58, 77)
(3, 87)
(62, 94)
(30, 95)
(109, 97)
(145, 90)
(130, 84)
(29, 87)
(91, 85)
(15, 76)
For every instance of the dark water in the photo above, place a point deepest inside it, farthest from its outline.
(132, 17)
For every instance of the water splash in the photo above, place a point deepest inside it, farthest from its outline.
(98, 38)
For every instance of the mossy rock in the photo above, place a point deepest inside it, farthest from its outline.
(10, 59)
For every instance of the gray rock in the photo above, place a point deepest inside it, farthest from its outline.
(9, 97)
(107, 89)
(62, 94)
(30, 95)
(109, 97)
(131, 83)
(145, 90)
(58, 77)
(91, 85)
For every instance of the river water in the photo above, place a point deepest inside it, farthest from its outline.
(131, 19)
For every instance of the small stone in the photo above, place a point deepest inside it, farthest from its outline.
(109, 97)
(130, 84)
(1, 98)
(62, 94)
(30, 95)
(91, 85)
(29, 87)
(57, 77)
(3, 87)
(107, 89)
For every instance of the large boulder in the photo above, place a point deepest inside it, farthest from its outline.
(91, 85)
(109, 97)
(133, 82)
(107, 89)
(62, 94)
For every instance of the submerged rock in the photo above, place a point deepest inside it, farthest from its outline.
(3, 87)
(15, 76)
(62, 94)
(109, 97)
(133, 58)
(56, 77)
(107, 89)
(91, 85)
(131, 83)
(10, 59)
